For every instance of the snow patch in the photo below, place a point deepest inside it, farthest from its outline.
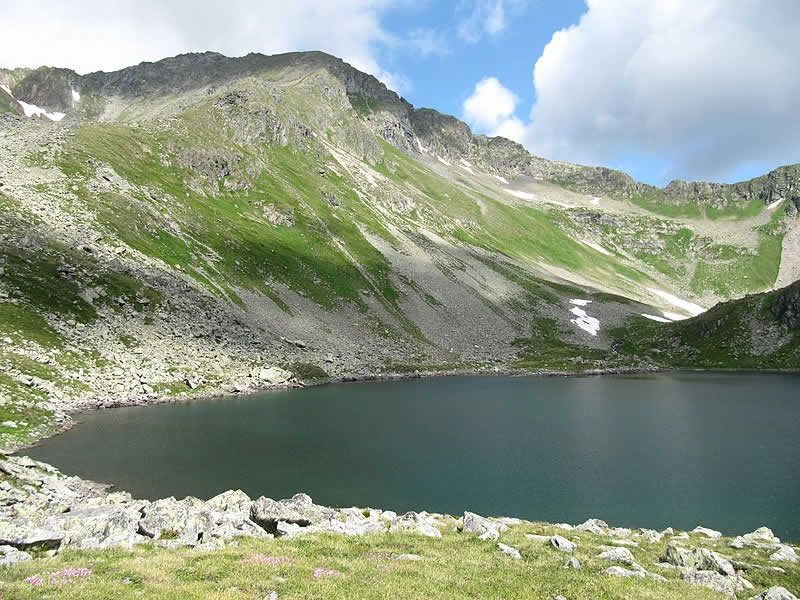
(655, 318)
(675, 316)
(589, 324)
(6, 89)
(443, 161)
(595, 200)
(31, 110)
(523, 195)
(76, 96)
(774, 205)
(691, 308)
(580, 302)
(597, 247)
(501, 179)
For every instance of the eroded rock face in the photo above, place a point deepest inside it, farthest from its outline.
(787, 308)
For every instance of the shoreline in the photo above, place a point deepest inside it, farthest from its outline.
(94, 404)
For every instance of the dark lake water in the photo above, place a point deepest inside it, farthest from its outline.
(721, 450)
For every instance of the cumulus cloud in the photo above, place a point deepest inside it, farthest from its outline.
(487, 17)
(101, 35)
(491, 108)
(708, 86)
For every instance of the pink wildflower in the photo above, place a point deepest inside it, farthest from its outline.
(260, 559)
(320, 572)
(34, 580)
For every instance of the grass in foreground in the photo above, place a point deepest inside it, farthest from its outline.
(456, 566)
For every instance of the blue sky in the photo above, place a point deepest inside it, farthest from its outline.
(661, 89)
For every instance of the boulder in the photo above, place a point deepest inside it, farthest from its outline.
(573, 563)
(617, 571)
(775, 593)
(737, 542)
(22, 534)
(709, 533)
(234, 501)
(10, 556)
(700, 559)
(509, 551)
(719, 583)
(354, 525)
(619, 532)
(618, 555)
(298, 510)
(96, 527)
(416, 522)
(481, 526)
(595, 526)
(274, 375)
(762, 535)
(651, 535)
(562, 544)
(784, 554)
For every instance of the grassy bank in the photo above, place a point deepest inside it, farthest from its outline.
(456, 566)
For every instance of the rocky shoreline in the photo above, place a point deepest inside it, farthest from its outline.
(43, 512)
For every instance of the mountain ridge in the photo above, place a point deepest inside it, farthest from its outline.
(422, 125)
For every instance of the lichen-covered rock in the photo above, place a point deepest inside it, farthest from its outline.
(709, 533)
(562, 544)
(481, 526)
(701, 559)
(23, 533)
(595, 526)
(298, 510)
(723, 584)
(775, 593)
(784, 554)
(10, 556)
(509, 551)
(762, 535)
(417, 522)
(618, 555)
(98, 527)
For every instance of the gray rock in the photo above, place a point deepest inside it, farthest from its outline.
(170, 519)
(618, 571)
(356, 526)
(719, 583)
(651, 535)
(784, 554)
(562, 544)
(595, 526)
(619, 532)
(775, 593)
(573, 563)
(617, 554)
(413, 557)
(274, 375)
(234, 501)
(22, 533)
(509, 551)
(97, 527)
(762, 535)
(299, 510)
(700, 559)
(737, 542)
(10, 556)
(416, 522)
(481, 526)
(709, 533)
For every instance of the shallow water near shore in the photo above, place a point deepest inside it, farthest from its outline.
(674, 449)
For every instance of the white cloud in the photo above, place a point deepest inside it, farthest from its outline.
(491, 108)
(487, 17)
(100, 35)
(427, 41)
(707, 86)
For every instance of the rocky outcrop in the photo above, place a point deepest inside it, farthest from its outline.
(786, 306)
